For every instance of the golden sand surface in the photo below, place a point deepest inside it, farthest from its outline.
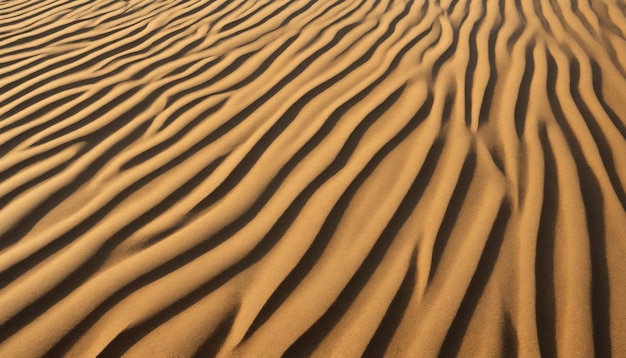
(266, 178)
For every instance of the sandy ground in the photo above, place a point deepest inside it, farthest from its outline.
(332, 178)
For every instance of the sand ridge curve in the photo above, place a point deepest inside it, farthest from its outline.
(329, 178)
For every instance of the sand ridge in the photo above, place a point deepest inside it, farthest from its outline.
(402, 178)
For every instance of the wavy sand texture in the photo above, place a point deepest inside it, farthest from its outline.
(295, 177)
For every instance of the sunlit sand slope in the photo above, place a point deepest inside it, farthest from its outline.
(296, 177)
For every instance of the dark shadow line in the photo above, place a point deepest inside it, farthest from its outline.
(594, 209)
(545, 299)
(381, 340)
(523, 95)
(458, 328)
(453, 211)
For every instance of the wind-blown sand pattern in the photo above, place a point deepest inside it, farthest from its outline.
(296, 177)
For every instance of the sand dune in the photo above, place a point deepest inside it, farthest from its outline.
(328, 178)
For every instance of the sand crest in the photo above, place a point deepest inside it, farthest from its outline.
(330, 178)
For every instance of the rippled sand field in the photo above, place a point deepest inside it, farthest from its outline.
(333, 178)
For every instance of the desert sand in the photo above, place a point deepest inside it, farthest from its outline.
(266, 178)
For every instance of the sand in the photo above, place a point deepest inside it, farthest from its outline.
(331, 178)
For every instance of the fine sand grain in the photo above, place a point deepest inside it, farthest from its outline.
(258, 178)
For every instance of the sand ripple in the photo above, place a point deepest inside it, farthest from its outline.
(296, 177)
